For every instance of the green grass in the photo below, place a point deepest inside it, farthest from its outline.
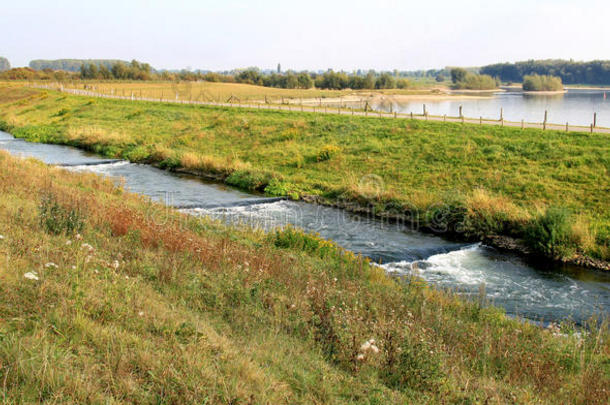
(106, 297)
(465, 179)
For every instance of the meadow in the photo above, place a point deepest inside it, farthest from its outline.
(548, 189)
(106, 297)
(222, 92)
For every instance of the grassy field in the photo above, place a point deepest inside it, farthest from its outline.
(106, 297)
(221, 92)
(549, 188)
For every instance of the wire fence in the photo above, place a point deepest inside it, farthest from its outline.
(364, 110)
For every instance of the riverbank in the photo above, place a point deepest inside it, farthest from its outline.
(176, 309)
(445, 186)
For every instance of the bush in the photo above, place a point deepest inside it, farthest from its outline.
(417, 367)
(327, 152)
(291, 238)
(248, 180)
(542, 83)
(476, 82)
(280, 188)
(551, 234)
(56, 219)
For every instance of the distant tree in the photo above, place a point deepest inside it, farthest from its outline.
(385, 81)
(4, 64)
(119, 70)
(542, 83)
(105, 73)
(440, 78)
(595, 72)
(250, 76)
(403, 84)
(369, 81)
(458, 75)
(305, 81)
(476, 82)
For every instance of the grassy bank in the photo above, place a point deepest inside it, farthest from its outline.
(221, 92)
(548, 188)
(108, 298)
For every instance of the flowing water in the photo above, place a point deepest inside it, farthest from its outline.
(521, 288)
(575, 107)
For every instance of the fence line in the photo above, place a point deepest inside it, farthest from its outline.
(593, 128)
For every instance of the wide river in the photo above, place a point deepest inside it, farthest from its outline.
(575, 107)
(540, 294)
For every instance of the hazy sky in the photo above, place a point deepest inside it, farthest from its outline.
(314, 34)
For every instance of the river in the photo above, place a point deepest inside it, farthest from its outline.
(522, 289)
(575, 107)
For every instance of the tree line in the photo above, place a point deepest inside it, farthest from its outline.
(71, 65)
(570, 72)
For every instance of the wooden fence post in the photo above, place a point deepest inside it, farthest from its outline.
(591, 128)
(411, 114)
(522, 124)
(567, 127)
(594, 120)
(461, 115)
(501, 114)
(425, 110)
(480, 120)
(545, 116)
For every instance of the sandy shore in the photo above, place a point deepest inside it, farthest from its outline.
(378, 97)
(544, 93)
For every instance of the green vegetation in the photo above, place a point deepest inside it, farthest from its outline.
(593, 73)
(4, 64)
(542, 83)
(122, 301)
(470, 180)
(464, 80)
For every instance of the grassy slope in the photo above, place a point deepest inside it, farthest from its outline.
(209, 91)
(491, 180)
(162, 308)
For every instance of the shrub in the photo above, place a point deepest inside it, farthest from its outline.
(417, 367)
(476, 82)
(280, 188)
(249, 180)
(138, 154)
(542, 83)
(62, 112)
(291, 238)
(551, 234)
(327, 152)
(56, 219)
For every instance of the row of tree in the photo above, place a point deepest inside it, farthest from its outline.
(119, 71)
(570, 72)
(71, 65)
(328, 80)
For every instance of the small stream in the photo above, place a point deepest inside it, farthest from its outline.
(540, 294)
